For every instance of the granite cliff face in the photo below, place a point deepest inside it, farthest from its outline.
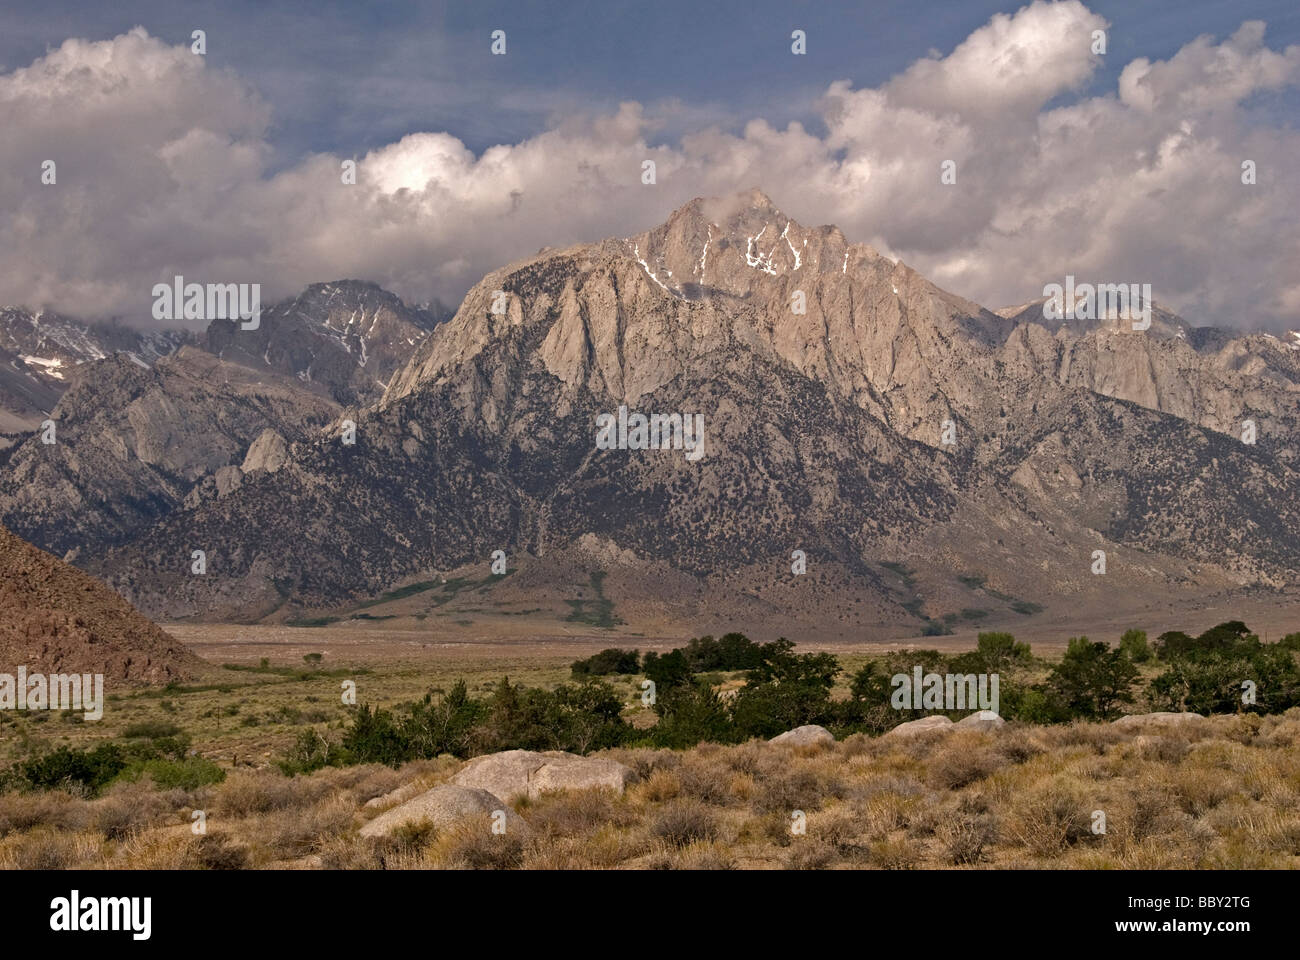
(851, 410)
(632, 314)
(1201, 376)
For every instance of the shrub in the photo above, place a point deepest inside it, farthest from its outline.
(999, 652)
(374, 737)
(669, 670)
(187, 774)
(575, 717)
(590, 716)
(1048, 818)
(870, 690)
(767, 709)
(448, 724)
(735, 651)
(964, 836)
(92, 769)
(578, 718)
(473, 844)
(610, 661)
(1212, 682)
(311, 751)
(151, 729)
(683, 821)
(215, 851)
(958, 766)
(784, 691)
(895, 854)
(810, 855)
(1176, 645)
(244, 793)
(794, 790)
(1134, 644)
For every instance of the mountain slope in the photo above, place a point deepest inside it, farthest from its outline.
(1203, 377)
(56, 619)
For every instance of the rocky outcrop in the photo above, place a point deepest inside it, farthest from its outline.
(809, 735)
(400, 795)
(268, 452)
(524, 773)
(444, 806)
(981, 720)
(913, 728)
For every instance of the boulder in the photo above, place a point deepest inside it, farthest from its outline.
(924, 725)
(983, 720)
(443, 806)
(805, 736)
(403, 793)
(1139, 719)
(526, 773)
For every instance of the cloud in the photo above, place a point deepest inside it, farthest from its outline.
(164, 169)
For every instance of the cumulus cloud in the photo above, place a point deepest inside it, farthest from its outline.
(163, 170)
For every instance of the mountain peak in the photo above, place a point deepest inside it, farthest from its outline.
(730, 214)
(728, 244)
(736, 206)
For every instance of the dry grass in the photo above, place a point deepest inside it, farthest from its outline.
(1220, 794)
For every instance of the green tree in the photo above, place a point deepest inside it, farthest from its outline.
(669, 670)
(1134, 644)
(691, 714)
(785, 690)
(1092, 680)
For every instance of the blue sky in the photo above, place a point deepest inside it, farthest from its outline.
(349, 77)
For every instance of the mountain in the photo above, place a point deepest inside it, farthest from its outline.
(136, 440)
(1204, 376)
(344, 339)
(56, 619)
(38, 351)
(133, 442)
(829, 379)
